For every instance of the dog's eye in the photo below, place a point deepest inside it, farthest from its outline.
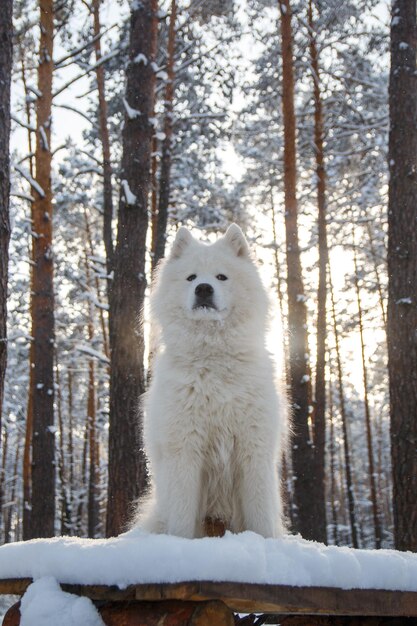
(191, 277)
(221, 277)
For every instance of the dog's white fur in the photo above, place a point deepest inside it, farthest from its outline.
(214, 420)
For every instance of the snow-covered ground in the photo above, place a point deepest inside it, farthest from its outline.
(137, 557)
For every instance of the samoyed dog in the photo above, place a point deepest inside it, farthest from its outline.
(214, 420)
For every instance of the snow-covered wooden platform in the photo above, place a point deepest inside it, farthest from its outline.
(153, 603)
(236, 573)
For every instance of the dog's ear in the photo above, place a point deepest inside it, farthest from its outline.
(235, 238)
(182, 240)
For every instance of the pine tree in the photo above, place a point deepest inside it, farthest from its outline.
(165, 166)
(319, 430)
(43, 439)
(6, 31)
(127, 470)
(402, 270)
(302, 450)
(105, 142)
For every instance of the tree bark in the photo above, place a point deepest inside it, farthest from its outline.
(402, 271)
(127, 468)
(319, 423)
(43, 443)
(6, 32)
(302, 450)
(165, 164)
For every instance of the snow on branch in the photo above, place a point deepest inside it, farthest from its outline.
(22, 196)
(128, 194)
(404, 301)
(45, 144)
(28, 126)
(99, 305)
(76, 51)
(26, 174)
(74, 110)
(91, 352)
(203, 116)
(34, 90)
(97, 259)
(131, 113)
(90, 69)
(140, 58)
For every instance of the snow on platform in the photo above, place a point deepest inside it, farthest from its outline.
(137, 557)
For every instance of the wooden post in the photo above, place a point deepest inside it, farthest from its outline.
(12, 617)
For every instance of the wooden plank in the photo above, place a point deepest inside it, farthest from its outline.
(14, 586)
(257, 598)
(167, 613)
(252, 598)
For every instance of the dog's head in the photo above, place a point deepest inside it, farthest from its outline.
(209, 282)
(211, 278)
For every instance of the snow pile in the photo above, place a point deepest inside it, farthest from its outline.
(44, 604)
(137, 557)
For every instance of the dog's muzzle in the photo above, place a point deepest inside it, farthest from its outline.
(204, 297)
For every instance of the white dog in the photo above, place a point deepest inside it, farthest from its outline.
(214, 420)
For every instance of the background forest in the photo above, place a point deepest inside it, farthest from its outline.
(128, 120)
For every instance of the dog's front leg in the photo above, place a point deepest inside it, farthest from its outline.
(260, 495)
(180, 499)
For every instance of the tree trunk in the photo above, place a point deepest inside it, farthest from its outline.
(402, 271)
(319, 423)
(377, 274)
(332, 467)
(27, 450)
(6, 32)
(105, 142)
(97, 286)
(92, 507)
(286, 481)
(71, 449)
(62, 473)
(165, 165)
(369, 439)
(82, 485)
(5, 438)
(154, 194)
(11, 499)
(346, 446)
(43, 444)
(302, 452)
(127, 468)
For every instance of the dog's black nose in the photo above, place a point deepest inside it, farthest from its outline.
(204, 290)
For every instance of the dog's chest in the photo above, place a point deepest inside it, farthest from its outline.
(214, 392)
